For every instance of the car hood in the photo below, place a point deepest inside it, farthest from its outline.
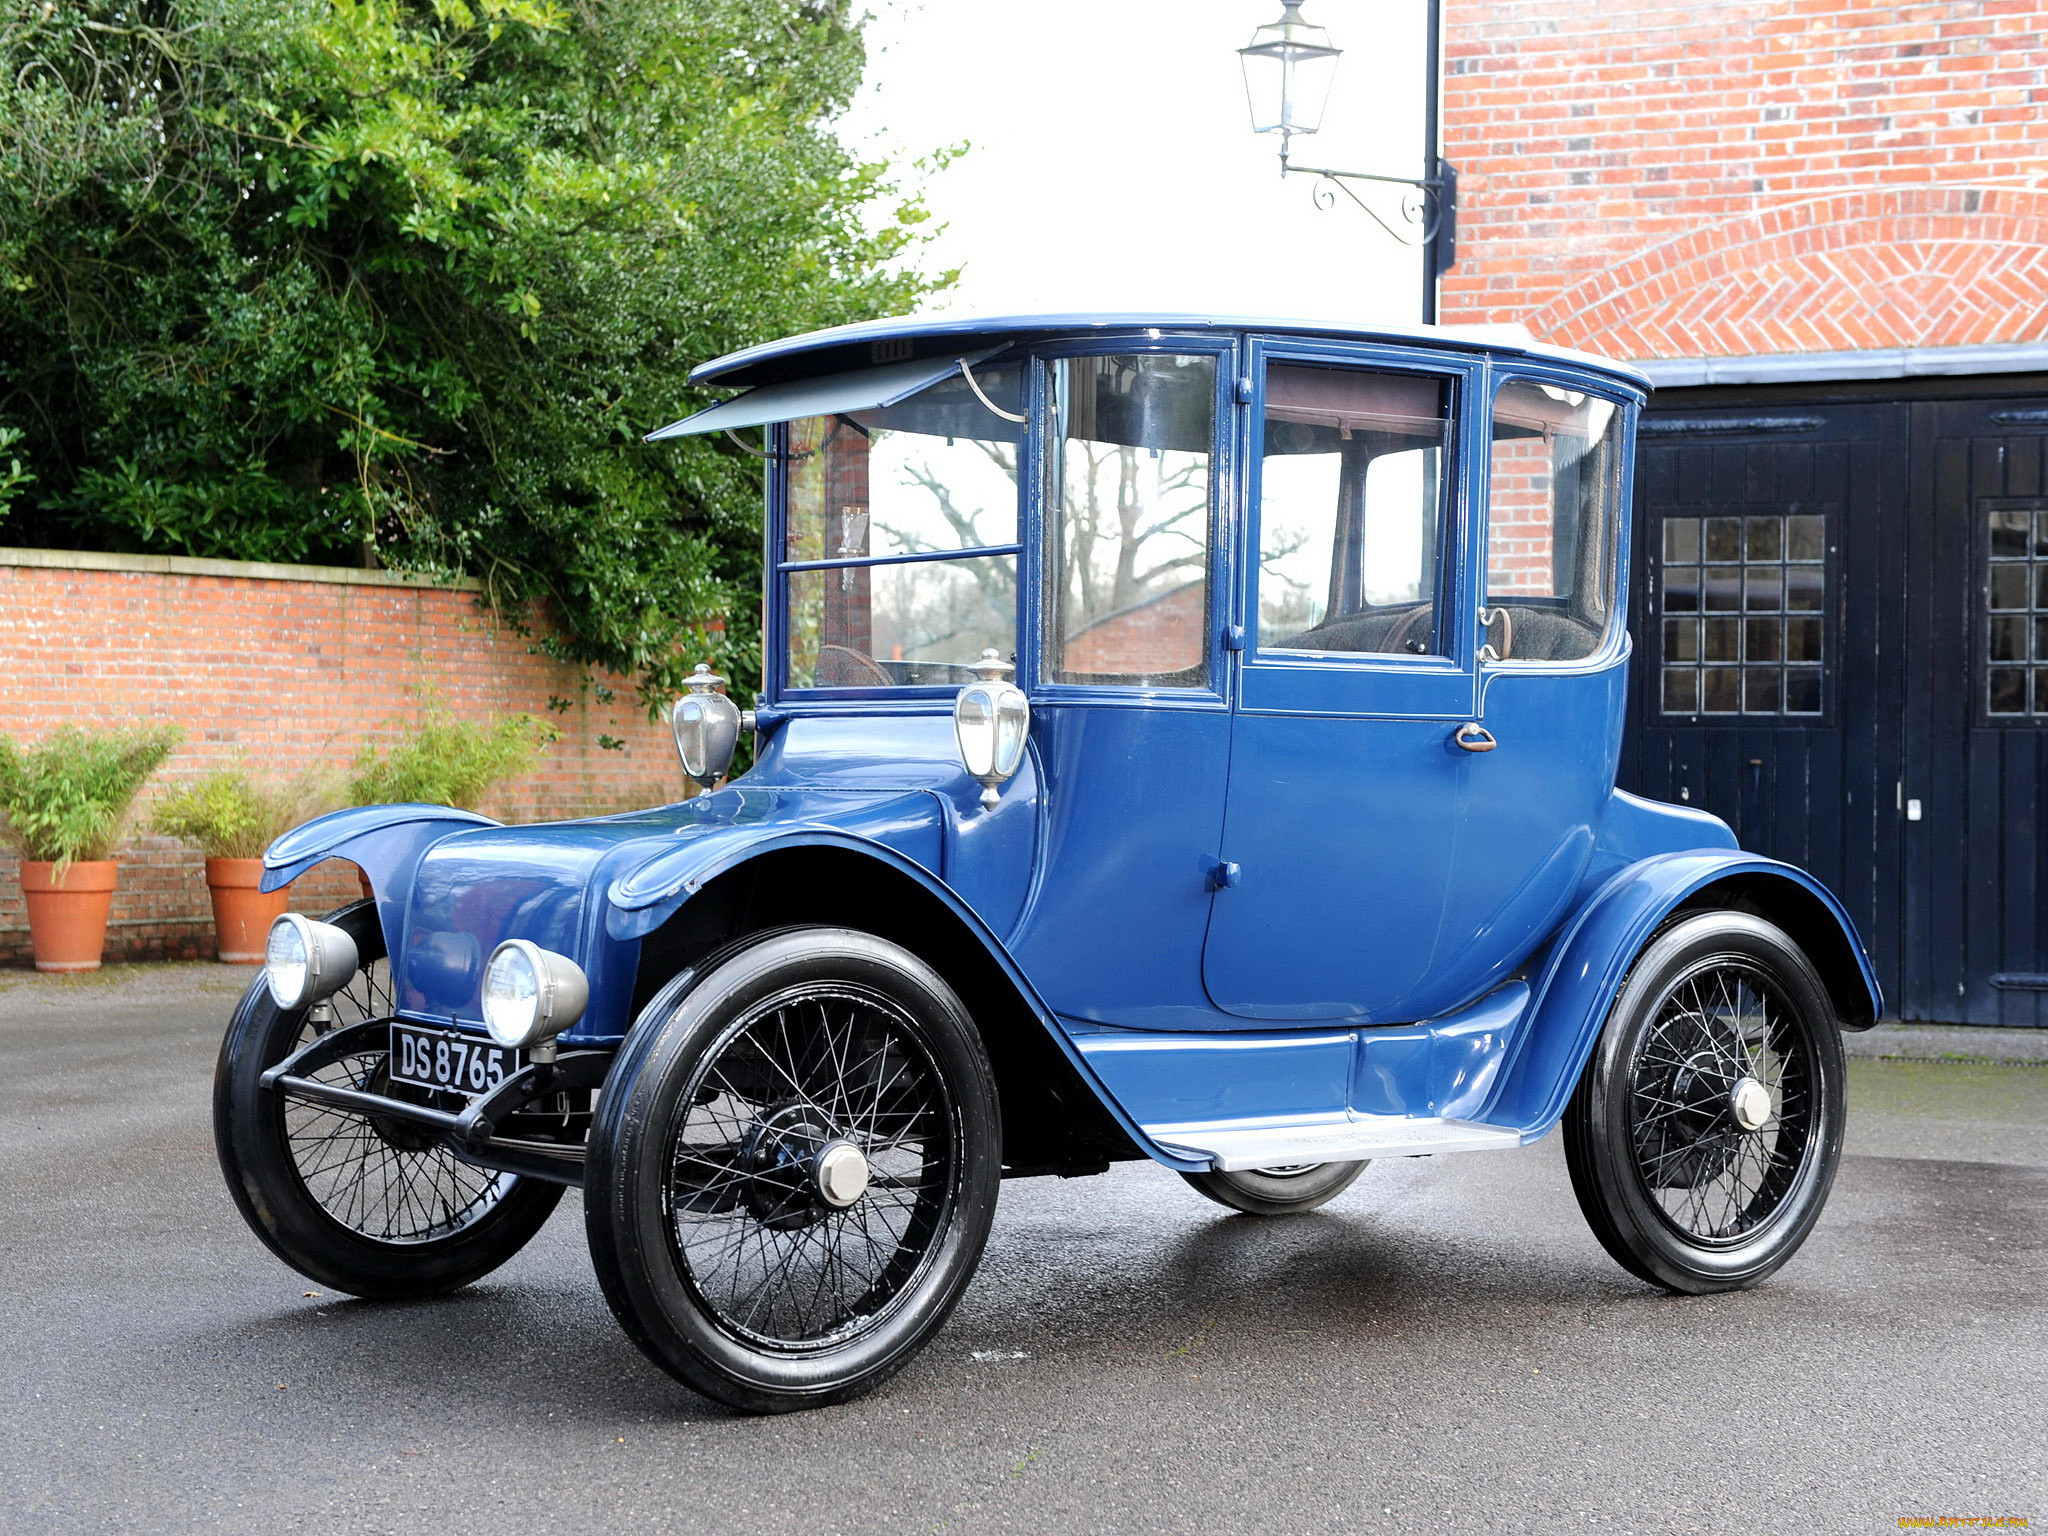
(554, 884)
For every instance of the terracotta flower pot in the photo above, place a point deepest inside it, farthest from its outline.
(241, 914)
(67, 913)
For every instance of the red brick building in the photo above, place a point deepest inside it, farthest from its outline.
(1822, 228)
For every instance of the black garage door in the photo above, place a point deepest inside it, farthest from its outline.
(1841, 622)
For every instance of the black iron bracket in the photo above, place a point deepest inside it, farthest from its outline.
(1428, 211)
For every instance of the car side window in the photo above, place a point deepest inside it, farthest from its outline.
(1130, 501)
(899, 556)
(1351, 510)
(1554, 510)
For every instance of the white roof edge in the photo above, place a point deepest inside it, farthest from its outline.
(993, 328)
(1828, 367)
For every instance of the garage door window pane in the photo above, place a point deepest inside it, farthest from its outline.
(2014, 654)
(1767, 566)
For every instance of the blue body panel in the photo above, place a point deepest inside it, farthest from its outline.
(1283, 893)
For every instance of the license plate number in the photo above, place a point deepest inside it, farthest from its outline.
(443, 1058)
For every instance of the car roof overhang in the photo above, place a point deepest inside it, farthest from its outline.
(917, 338)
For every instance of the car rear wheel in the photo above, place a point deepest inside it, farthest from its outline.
(1703, 1138)
(794, 1169)
(362, 1205)
(1282, 1191)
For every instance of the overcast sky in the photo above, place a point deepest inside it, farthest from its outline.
(1113, 164)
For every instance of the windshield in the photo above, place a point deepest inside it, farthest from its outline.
(899, 551)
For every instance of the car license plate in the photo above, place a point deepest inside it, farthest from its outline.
(444, 1058)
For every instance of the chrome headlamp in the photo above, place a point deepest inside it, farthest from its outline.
(307, 962)
(531, 994)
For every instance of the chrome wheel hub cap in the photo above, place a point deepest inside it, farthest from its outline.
(842, 1174)
(1750, 1101)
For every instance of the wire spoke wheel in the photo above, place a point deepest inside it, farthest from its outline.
(794, 1167)
(1721, 1103)
(1704, 1135)
(380, 1178)
(813, 1075)
(362, 1203)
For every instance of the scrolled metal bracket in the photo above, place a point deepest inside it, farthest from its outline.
(1428, 209)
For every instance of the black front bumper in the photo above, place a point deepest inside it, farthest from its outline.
(473, 1133)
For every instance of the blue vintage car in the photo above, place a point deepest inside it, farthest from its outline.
(1182, 738)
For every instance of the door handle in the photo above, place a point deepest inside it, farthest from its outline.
(1473, 737)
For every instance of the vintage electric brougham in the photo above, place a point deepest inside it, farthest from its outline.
(1186, 739)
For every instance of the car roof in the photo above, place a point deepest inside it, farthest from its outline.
(907, 337)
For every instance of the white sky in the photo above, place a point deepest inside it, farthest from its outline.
(1113, 164)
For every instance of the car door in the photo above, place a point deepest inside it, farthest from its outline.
(1359, 668)
(1130, 723)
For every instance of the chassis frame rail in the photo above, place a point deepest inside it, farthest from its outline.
(472, 1132)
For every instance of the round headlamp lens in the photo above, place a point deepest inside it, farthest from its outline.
(285, 962)
(511, 996)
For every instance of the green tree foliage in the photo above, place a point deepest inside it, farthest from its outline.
(311, 280)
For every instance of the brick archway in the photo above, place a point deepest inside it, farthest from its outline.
(1920, 267)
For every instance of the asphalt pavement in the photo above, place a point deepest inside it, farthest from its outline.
(1444, 1348)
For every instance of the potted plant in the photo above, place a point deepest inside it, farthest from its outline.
(446, 761)
(232, 818)
(63, 806)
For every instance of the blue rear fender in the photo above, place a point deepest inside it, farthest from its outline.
(1584, 974)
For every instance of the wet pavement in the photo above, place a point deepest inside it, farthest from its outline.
(1443, 1348)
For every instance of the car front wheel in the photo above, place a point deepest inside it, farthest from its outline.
(358, 1203)
(794, 1169)
(1703, 1137)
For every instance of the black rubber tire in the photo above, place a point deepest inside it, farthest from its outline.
(1608, 1136)
(1278, 1192)
(632, 1208)
(250, 1136)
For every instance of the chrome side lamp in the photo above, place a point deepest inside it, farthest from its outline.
(991, 722)
(707, 727)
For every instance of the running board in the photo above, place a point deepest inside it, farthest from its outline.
(1233, 1145)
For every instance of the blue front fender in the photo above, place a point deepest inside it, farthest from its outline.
(1591, 960)
(645, 897)
(386, 842)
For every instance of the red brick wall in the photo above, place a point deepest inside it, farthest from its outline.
(1163, 634)
(1726, 178)
(279, 675)
(1521, 528)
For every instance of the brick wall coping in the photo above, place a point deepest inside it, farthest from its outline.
(1823, 367)
(246, 570)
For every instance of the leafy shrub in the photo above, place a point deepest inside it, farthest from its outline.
(229, 815)
(67, 800)
(446, 761)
